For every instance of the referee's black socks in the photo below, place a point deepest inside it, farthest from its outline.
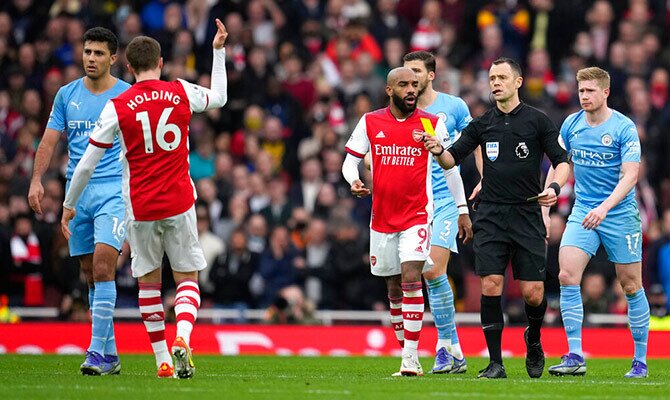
(492, 323)
(535, 316)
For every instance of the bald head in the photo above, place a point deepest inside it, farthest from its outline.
(399, 74)
(401, 87)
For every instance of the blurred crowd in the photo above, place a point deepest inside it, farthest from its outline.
(278, 225)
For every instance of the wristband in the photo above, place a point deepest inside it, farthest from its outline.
(556, 187)
(437, 155)
(463, 209)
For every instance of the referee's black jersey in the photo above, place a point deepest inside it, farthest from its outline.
(513, 146)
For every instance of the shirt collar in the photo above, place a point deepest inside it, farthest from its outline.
(515, 111)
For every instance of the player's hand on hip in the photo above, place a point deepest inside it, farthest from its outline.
(359, 190)
(68, 215)
(221, 35)
(475, 191)
(464, 228)
(547, 198)
(594, 218)
(432, 144)
(35, 195)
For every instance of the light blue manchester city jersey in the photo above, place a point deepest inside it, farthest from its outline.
(75, 112)
(597, 154)
(456, 116)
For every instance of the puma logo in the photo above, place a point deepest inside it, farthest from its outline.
(75, 105)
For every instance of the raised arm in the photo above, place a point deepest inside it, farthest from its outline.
(202, 98)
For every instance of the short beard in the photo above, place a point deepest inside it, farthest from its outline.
(400, 103)
(421, 91)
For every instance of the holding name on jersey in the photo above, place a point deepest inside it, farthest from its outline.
(152, 120)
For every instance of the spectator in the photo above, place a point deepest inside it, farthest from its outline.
(290, 307)
(387, 23)
(257, 232)
(594, 293)
(201, 160)
(426, 35)
(173, 22)
(259, 198)
(238, 211)
(317, 248)
(255, 75)
(212, 247)
(27, 262)
(354, 41)
(297, 84)
(304, 191)
(279, 265)
(207, 194)
(231, 274)
(264, 30)
(278, 212)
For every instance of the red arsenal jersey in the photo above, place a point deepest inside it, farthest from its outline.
(152, 120)
(402, 194)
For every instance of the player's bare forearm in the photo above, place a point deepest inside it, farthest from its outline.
(446, 160)
(44, 153)
(629, 172)
(561, 174)
(556, 178)
(443, 157)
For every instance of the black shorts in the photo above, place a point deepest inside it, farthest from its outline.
(510, 232)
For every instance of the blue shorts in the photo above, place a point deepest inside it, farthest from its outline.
(620, 234)
(100, 217)
(445, 225)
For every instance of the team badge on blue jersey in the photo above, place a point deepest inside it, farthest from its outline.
(606, 139)
(492, 150)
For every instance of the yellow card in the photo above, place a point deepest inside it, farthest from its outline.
(427, 126)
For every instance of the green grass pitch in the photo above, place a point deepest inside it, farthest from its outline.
(267, 377)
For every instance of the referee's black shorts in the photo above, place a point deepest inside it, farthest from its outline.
(505, 231)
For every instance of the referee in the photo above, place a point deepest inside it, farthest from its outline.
(509, 221)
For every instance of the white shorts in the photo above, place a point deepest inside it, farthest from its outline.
(177, 236)
(389, 250)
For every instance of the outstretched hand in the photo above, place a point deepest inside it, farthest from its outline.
(359, 190)
(221, 35)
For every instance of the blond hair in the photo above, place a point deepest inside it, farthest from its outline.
(599, 75)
